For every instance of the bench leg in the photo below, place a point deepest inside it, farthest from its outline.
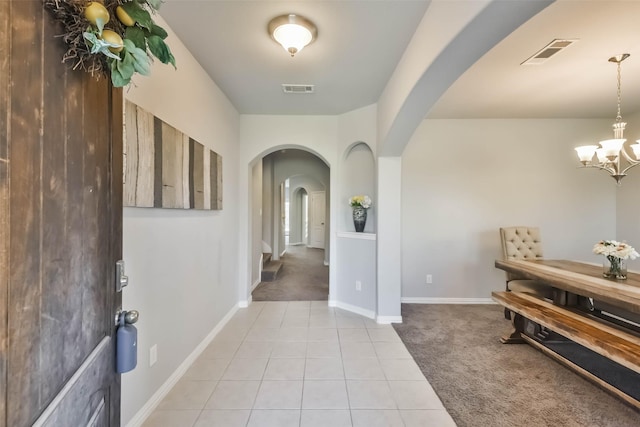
(514, 337)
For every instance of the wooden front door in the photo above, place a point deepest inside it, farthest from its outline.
(60, 230)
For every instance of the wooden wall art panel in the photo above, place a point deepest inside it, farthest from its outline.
(164, 168)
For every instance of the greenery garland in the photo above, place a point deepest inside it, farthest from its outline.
(111, 37)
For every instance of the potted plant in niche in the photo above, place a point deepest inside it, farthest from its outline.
(360, 204)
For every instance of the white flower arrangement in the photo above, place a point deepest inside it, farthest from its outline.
(615, 249)
(362, 200)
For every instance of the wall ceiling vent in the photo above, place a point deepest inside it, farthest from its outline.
(550, 50)
(288, 88)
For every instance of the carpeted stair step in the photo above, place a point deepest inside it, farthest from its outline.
(270, 271)
(266, 257)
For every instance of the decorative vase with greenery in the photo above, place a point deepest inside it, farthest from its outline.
(360, 204)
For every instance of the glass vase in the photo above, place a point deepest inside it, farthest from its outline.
(614, 268)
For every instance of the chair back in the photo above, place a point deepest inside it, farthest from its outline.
(520, 243)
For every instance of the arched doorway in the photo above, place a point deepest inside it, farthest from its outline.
(290, 226)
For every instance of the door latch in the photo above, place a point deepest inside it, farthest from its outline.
(121, 279)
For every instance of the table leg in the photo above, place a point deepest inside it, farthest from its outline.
(517, 323)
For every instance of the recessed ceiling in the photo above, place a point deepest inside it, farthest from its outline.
(577, 82)
(359, 45)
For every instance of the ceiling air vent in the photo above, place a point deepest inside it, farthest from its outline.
(548, 51)
(287, 88)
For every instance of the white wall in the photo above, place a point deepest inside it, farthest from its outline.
(182, 264)
(359, 177)
(463, 179)
(329, 137)
(267, 200)
(256, 226)
(360, 251)
(356, 128)
(356, 252)
(628, 200)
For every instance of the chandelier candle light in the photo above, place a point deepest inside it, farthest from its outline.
(610, 151)
(360, 204)
(616, 254)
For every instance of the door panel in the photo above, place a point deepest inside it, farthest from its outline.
(61, 182)
(317, 219)
(4, 202)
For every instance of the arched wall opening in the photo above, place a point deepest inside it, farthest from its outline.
(271, 202)
(298, 216)
(358, 177)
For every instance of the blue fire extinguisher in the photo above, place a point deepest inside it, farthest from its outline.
(126, 342)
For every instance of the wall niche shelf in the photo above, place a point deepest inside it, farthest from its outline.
(354, 235)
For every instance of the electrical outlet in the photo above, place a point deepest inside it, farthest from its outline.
(153, 355)
(429, 279)
(358, 285)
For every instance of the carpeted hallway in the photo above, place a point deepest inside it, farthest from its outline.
(303, 277)
(484, 383)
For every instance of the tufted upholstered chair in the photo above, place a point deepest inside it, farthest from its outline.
(523, 243)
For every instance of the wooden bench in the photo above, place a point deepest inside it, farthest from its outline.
(615, 343)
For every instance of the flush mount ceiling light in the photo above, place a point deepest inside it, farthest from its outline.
(293, 32)
(610, 152)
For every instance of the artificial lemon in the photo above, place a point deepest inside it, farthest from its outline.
(113, 38)
(124, 17)
(95, 12)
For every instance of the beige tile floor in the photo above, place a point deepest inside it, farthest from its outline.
(302, 364)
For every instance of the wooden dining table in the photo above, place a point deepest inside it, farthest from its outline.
(615, 339)
(579, 278)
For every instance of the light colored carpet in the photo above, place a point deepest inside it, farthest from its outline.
(484, 383)
(303, 277)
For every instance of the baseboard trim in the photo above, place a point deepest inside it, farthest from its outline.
(424, 300)
(245, 303)
(153, 402)
(355, 309)
(326, 264)
(256, 283)
(386, 320)
(332, 302)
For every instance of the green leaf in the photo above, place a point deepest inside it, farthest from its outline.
(141, 61)
(117, 78)
(137, 13)
(137, 36)
(159, 31)
(126, 67)
(160, 50)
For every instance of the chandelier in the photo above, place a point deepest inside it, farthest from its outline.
(610, 152)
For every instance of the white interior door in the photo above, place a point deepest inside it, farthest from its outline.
(316, 219)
